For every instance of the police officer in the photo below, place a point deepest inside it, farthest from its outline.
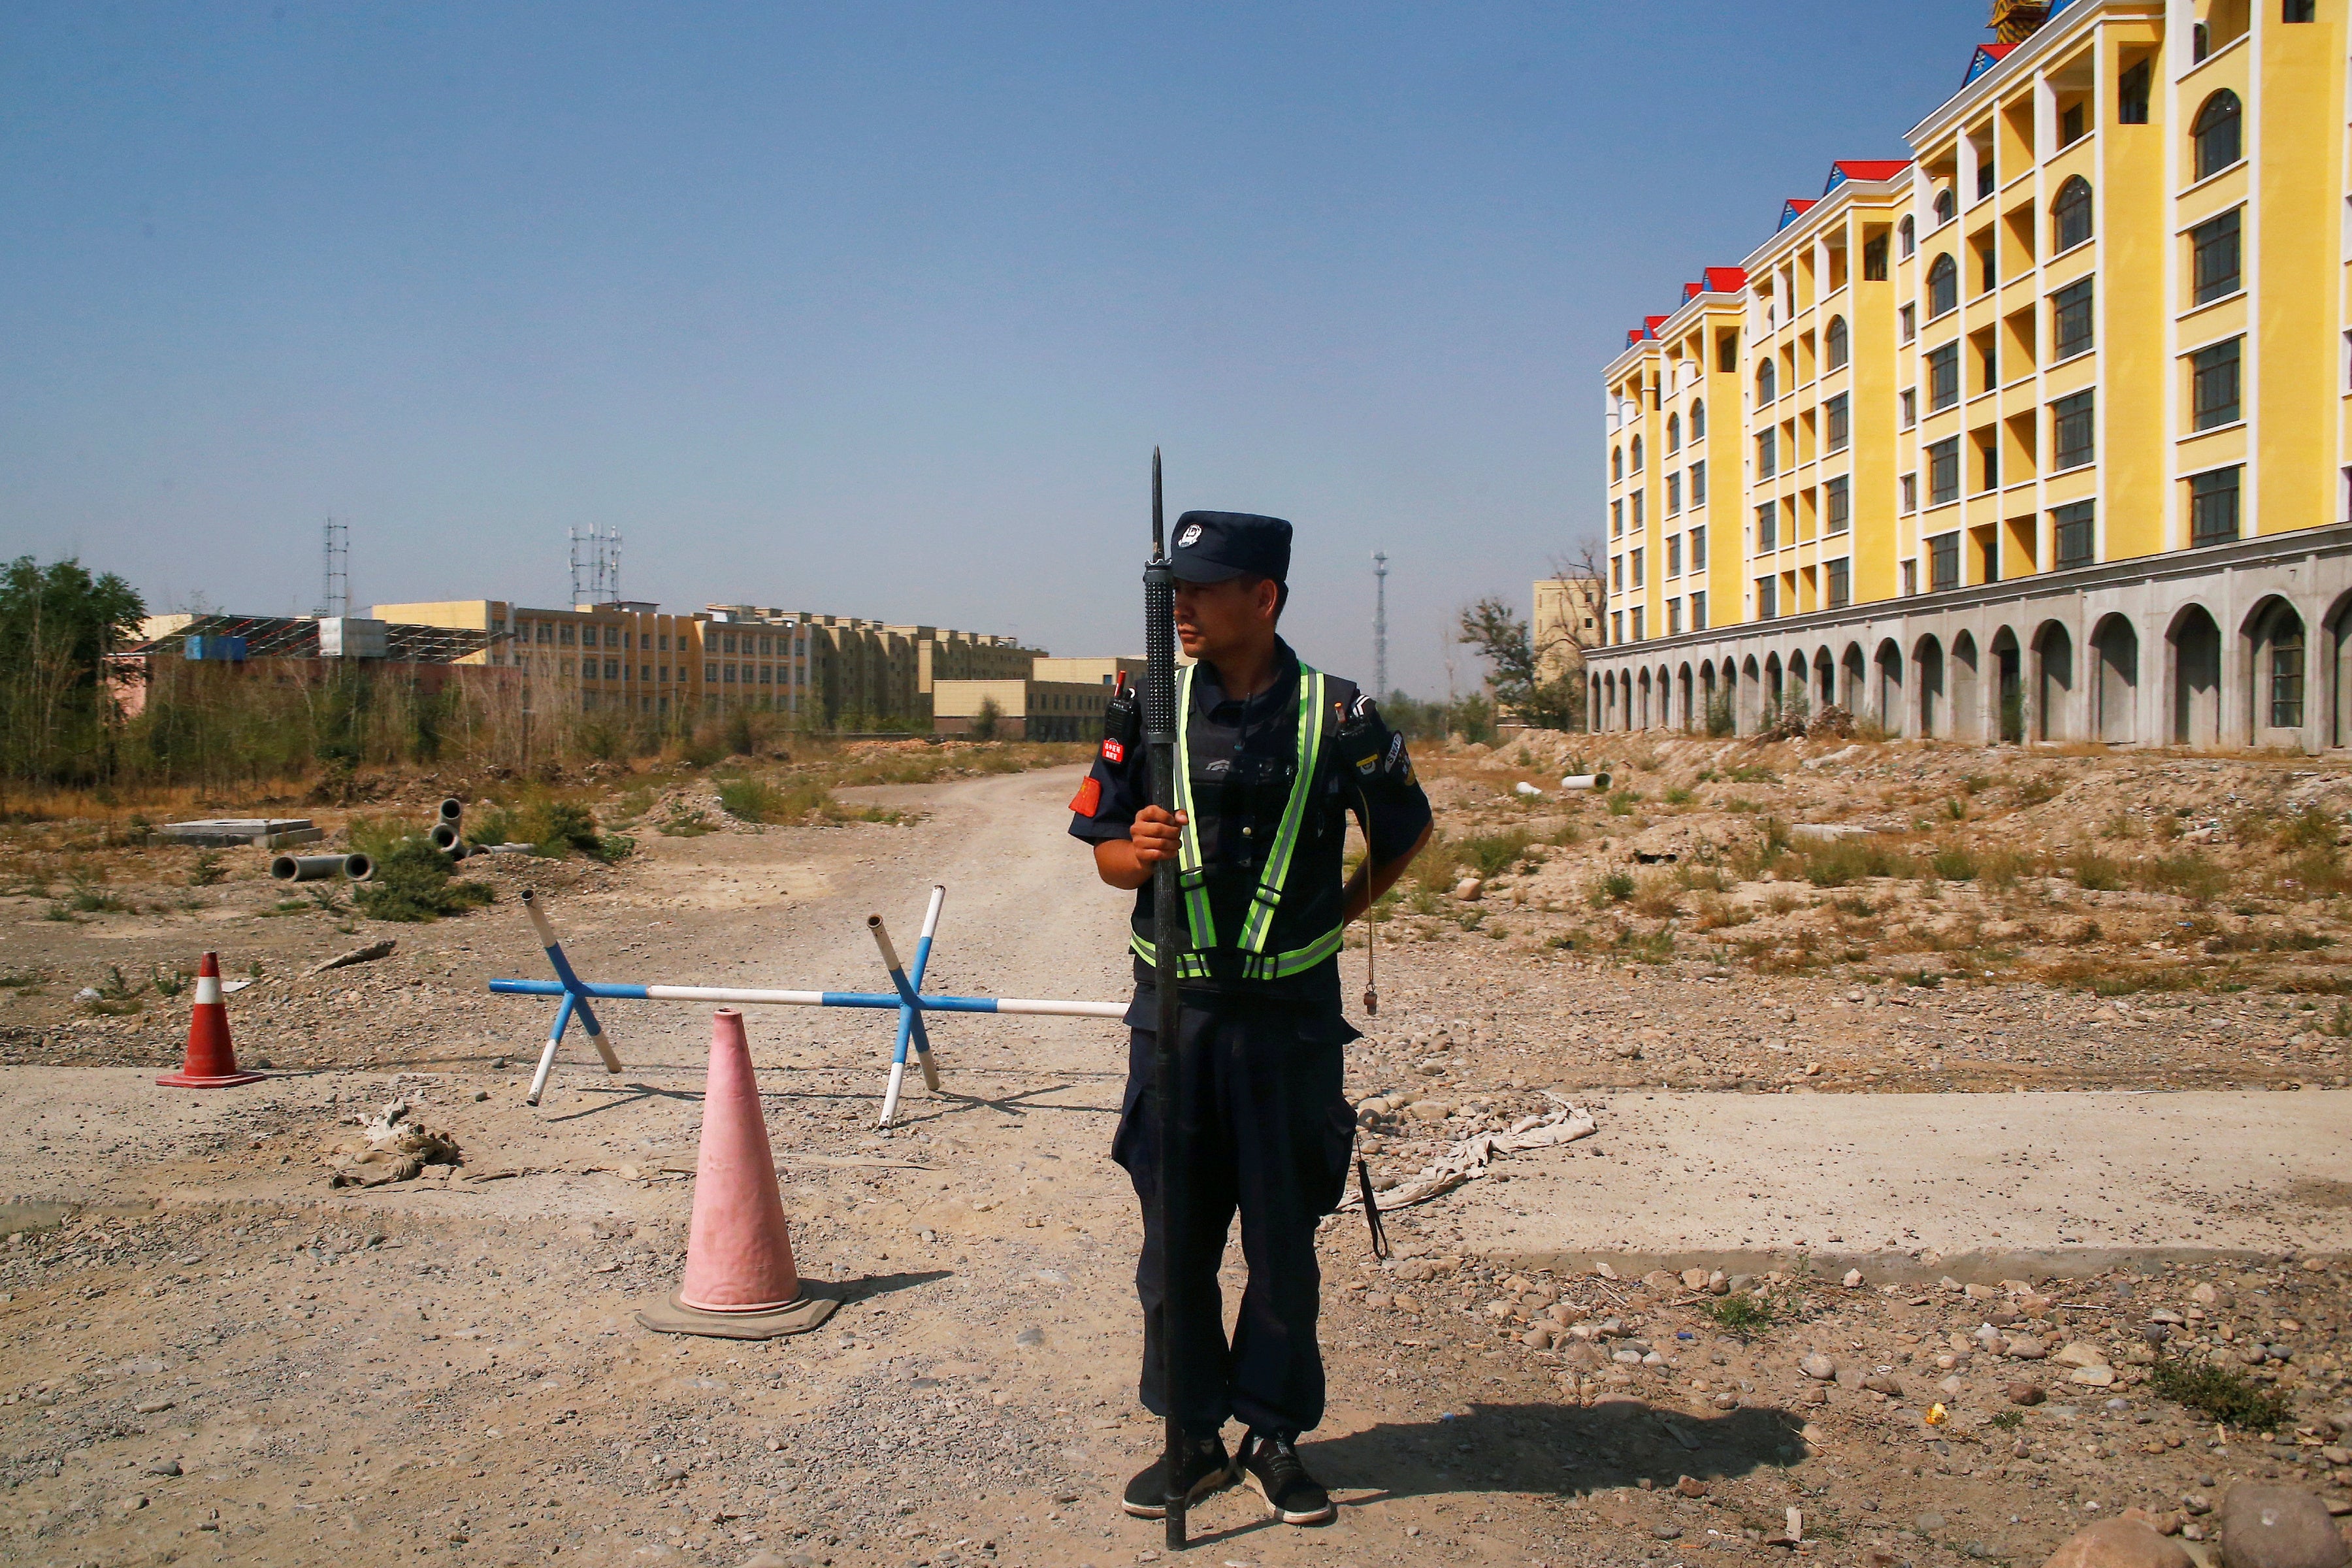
(1273, 757)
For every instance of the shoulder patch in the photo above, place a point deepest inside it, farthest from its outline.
(1114, 750)
(1088, 800)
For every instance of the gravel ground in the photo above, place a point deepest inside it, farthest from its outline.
(212, 1356)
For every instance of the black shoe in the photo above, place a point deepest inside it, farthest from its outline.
(1208, 1469)
(1273, 1466)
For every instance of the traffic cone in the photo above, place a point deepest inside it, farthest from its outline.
(211, 1061)
(740, 1281)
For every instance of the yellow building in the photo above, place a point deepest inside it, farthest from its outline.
(1568, 615)
(2040, 433)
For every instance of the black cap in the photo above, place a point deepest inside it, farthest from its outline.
(1211, 546)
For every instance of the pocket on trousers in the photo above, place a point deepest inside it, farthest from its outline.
(1130, 1114)
(1338, 1144)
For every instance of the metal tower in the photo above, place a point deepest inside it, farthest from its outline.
(595, 565)
(1380, 626)
(335, 588)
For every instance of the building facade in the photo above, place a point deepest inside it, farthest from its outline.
(2040, 433)
(1568, 617)
(1021, 709)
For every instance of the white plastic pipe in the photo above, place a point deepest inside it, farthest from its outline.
(1585, 781)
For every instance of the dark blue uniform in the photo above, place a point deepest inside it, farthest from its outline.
(1260, 1071)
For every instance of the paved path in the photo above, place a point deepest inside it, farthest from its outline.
(2001, 1176)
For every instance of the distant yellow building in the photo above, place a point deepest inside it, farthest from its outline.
(2041, 433)
(1567, 620)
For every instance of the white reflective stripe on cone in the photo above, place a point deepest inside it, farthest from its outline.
(208, 990)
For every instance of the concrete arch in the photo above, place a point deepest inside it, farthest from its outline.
(1931, 708)
(2278, 668)
(1824, 678)
(2335, 663)
(1707, 698)
(1968, 696)
(2008, 686)
(1665, 698)
(1775, 692)
(2115, 681)
(1886, 686)
(2193, 653)
(2053, 682)
(1683, 694)
(1853, 678)
(1748, 716)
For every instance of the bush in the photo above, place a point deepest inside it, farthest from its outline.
(1953, 863)
(1744, 1316)
(2095, 873)
(1852, 860)
(413, 884)
(1488, 854)
(2221, 1395)
(988, 721)
(751, 800)
(1613, 888)
(2188, 876)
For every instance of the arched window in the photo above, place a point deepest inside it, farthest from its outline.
(2220, 134)
(1768, 382)
(1637, 454)
(1909, 229)
(1943, 286)
(1698, 421)
(1835, 348)
(2070, 214)
(1616, 465)
(1948, 206)
(1673, 434)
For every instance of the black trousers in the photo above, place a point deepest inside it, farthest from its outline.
(1266, 1129)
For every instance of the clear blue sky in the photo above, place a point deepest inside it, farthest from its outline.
(876, 310)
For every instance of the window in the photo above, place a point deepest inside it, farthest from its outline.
(1908, 319)
(1698, 548)
(2070, 320)
(2072, 525)
(1943, 377)
(2200, 42)
(2213, 507)
(1841, 583)
(1947, 207)
(1873, 260)
(2299, 11)
(1834, 414)
(1909, 488)
(1698, 612)
(1767, 381)
(1616, 625)
(1637, 454)
(1617, 574)
(1986, 274)
(1674, 617)
(1673, 434)
(1638, 517)
(2070, 431)
(1944, 471)
(1673, 495)
(1768, 527)
(1909, 231)
(2214, 380)
(1767, 598)
(2071, 123)
(1698, 421)
(1944, 562)
(2214, 246)
(1985, 178)
(1910, 577)
(1835, 348)
(1674, 556)
(1943, 286)
(1637, 623)
(1616, 464)
(2070, 214)
(1727, 350)
(1988, 464)
(2217, 133)
(2286, 678)
(1616, 519)
(1907, 402)
(1837, 504)
(1768, 454)
(1698, 482)
(2131, 96)
(1637, 568)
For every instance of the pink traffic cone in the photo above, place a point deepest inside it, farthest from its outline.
(740, 1282)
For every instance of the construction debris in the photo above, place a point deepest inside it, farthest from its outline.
(367, 954)
(1468, 1159)
(391, 1147)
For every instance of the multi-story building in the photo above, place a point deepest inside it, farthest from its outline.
(1566, 618)
(2040, 433)
(620, 657)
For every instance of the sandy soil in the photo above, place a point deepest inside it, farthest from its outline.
(211, 1356)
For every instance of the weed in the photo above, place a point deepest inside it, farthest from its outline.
(2168, 828)
(1953, 863)
(1849, 860)
(751, 800)
(88, 898)
(1567, 832)
(2221, 1395)
(2309, 828)
(1706, 776)
(2095, 873)
(328, 901)
(1621, 802)
(2009, 1420)
(2034, 791)
(1976, 784)
(207, 869)
(1656, 898)
(1956, 809)
(1924, 980)
(1855, 904)
(60, 912)
(1743, 1317)
(1700, 878)
(2266, 941)
(2341, 1025)
(685, 824)
(1754, 775)
(2120, 825)
(1677, 797)
(2003, 869)
(1613, 888)
(1776, 836)
(1658, 947)
(2189, 875)
(2319, 874)
(1712, 913)
(413, 884)
(1490, 853)
(169, 982)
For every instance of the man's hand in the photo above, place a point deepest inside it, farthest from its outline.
(1154, 835)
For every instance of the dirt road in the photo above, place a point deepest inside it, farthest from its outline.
(217, 1359)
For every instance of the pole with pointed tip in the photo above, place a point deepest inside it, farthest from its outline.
(1169, 934)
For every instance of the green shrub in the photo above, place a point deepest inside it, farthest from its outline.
(2189, 875)
(1953, 863)
(1848, 860)
(1678, 796)
(1621, 802)
(1488, 854)
(1613, 888)
(2095, 873)
(751, 800)
(1743, 1317)
(413, 884)
(2220, 1393)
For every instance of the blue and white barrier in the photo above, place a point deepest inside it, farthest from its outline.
(905, 997)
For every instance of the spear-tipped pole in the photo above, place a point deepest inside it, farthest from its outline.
(1169, 934)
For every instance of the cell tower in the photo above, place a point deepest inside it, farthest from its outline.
(1381, 625)
(335, 589)
(596, 565)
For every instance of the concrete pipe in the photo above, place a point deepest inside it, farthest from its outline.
(1585, 781)
(453, 811)
(306, 868)
(359, 868)
(447, 838)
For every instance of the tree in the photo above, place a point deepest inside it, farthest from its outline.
(985, 723)
(1516, 669)
(58, 624)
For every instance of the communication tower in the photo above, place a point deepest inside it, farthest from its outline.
(1380, 626)
(335, 588)
(595, 565)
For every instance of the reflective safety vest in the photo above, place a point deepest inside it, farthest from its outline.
(1246, 956)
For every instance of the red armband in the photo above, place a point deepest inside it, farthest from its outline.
(1088, 800)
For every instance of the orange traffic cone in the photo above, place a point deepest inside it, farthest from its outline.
(211, 1061)
(740, 1281)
